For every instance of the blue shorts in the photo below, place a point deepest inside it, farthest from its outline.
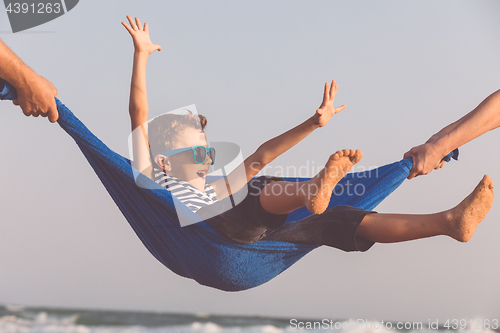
(248, 222)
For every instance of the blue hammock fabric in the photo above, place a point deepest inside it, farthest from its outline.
(197, 251)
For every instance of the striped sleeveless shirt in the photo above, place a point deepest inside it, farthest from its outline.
(189, 195)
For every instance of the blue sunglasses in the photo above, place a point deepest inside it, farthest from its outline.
(199, 153)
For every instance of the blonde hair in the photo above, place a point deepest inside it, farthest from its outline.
(165, 129)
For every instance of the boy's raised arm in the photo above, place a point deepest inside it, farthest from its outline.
(273, 148)
(138, 103)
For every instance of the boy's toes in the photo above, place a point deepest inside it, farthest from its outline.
(488, 182)
(357, 156)
(354, 155)
(347, 152)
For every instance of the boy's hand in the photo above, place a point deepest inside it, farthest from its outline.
(140, 35)
(326, 110)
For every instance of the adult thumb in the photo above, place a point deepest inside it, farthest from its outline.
(52, 113)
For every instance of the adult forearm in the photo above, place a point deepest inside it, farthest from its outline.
(35, 94)
(273, 148)
(12, 69)
(485, 117)
(443, 132)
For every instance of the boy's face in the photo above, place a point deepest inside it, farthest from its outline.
(183, 165)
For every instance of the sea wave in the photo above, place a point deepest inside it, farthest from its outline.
(21, 319)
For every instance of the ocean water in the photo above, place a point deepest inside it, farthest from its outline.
(21, 319)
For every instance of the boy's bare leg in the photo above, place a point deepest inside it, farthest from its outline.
(458, 222)
(282, 197)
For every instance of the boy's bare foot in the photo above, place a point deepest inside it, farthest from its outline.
(465, 217)
(321, 186)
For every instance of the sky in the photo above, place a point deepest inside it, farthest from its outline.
(255, 69)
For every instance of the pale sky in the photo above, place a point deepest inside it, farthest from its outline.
(255, 69)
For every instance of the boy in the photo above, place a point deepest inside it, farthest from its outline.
(263, 213)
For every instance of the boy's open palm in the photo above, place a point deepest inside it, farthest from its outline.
(326, 110)
(140, 35)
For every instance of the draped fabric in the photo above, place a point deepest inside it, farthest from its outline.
(197, 251)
